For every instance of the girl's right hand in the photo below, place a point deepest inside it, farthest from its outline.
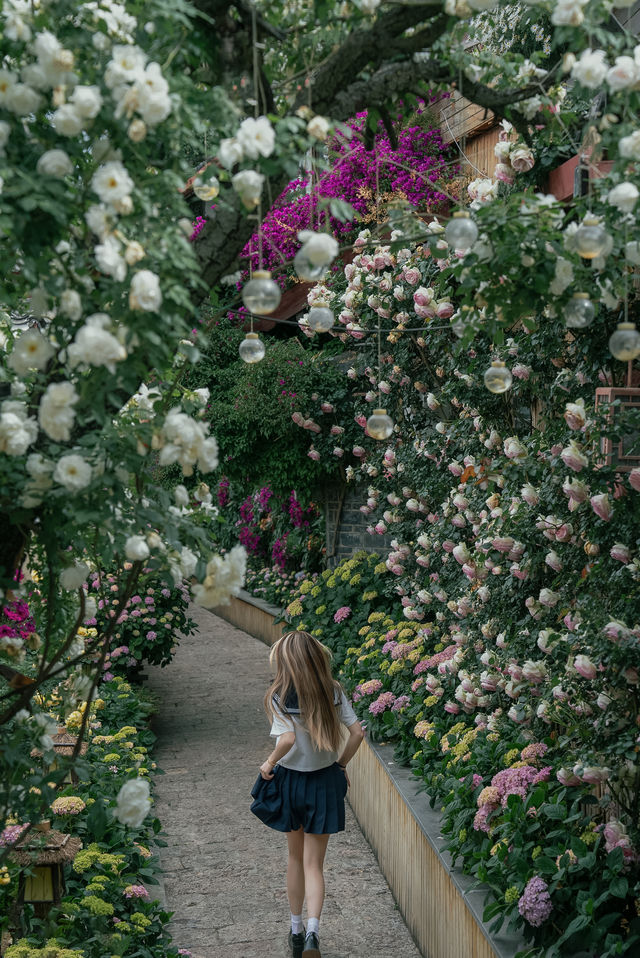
(266, 770)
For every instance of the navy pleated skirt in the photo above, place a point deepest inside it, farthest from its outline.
(313, 800)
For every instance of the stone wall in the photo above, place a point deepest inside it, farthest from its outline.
(346, 527)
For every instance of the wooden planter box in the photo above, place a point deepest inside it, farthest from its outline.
(404, 833)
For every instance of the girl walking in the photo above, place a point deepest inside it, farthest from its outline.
(302, 784)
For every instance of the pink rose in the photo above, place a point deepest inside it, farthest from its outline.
(634, 479)
(620, 552)
(313, 454)
(585, 667)
(412, 275)
(504, 173)
(602, 506)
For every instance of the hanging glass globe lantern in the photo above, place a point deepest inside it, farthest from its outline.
(251, 348)
(590, 238)
(320, 318)
(379, 425)
(579, 311)
(307, 271)
(206, 191)
(498, 378)
(461, 232)
(261, 295)
(625, 342)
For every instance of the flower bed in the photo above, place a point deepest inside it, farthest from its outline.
(518, 811)
(109, 907)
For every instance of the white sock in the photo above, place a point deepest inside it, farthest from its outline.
(313, 924)
(296, 924)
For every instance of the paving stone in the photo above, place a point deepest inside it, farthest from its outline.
(224, 871)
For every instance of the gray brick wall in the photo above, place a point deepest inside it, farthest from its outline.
(351, 534)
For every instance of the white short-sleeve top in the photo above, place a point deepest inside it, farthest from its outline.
(303, 756)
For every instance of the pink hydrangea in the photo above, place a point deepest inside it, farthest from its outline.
(136, 891)
(535, 903)
(343, 613)
(382, 703)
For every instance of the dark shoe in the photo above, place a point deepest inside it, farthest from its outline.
(296, 944)
(311, 946)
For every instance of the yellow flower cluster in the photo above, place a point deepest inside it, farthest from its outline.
(368, 596)
(294, 608)
(376, 617)
(510, 756)
(306, 586)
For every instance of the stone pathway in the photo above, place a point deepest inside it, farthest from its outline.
(224, 871)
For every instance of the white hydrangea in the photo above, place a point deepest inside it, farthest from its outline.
(56, 414)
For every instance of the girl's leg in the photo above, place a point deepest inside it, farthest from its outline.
(295, 871)
(315, 847)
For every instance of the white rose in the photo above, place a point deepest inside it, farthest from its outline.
(563, 277)
(632, 252)
(137, 130)
(73, 472)
(136, 549)
(94, 345)
(31, 351)
(318, 127)
(230, 152)
(319, 248)
(17, 429)
(111, 182)
(126, 65)
(99, 220)
(256, 137)
(109, 260)
(568, 13)
(56, 414)
(522, 159)
(22, 99)
(145, 292)
(623, 196)
(87, 101)
(623, 73)
(54, 163)
(134, 253)
(513, 448)
(248, 184)
(5, 131)
(74, 576)
(133, 802)
(67, 121)
(369, 6)
(629, 146)
(71, 304)
(181, 495)
(591, 69)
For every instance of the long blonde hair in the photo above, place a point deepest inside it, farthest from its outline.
(302, 665)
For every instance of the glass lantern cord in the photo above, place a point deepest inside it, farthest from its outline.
(256, 111)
